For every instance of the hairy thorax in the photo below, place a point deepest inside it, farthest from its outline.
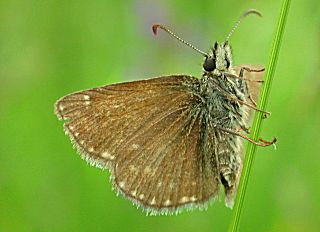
(220, 95)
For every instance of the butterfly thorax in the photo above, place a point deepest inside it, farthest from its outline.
(220, 95)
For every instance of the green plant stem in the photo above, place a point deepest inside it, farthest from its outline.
(258, 119)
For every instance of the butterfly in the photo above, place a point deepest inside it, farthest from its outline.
(170, 142)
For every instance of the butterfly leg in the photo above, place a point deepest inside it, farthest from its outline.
(238, 100)
(242, 77)
(251, 70)
(261, 143)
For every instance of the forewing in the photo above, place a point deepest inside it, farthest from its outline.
(149, 134)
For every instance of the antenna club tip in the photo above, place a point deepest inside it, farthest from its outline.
(252, 11)
(155, 28)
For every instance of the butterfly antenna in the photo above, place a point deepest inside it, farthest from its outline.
(155, 29)
(246, 13)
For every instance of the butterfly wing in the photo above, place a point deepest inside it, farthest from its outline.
(150, 135)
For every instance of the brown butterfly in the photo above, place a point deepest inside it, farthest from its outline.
(170, 142)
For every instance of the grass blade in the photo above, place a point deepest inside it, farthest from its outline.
(257, 123)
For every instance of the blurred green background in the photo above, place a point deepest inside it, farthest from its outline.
(52, 48)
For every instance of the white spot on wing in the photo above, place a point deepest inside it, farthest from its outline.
(61, 107)
(86, 97)
(134, 193)
(135, 146)
(193, 198)
(184, 199)
(122, 184)
(107, 155)
(91, 149)
(153, 201)
(141, 196)
(167, 202)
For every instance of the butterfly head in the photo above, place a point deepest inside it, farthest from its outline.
(219, 59)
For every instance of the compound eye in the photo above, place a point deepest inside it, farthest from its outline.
(209, 64)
